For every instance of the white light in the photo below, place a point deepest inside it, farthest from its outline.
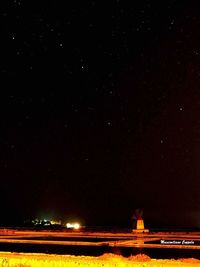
(75, 226)
(69, 225)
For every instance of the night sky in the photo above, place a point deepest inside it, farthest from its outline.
(100, 111)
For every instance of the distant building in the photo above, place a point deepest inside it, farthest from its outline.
(44, 222)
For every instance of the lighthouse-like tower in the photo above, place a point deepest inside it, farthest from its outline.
(139, 222)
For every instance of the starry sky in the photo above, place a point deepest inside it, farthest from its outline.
(100, 112)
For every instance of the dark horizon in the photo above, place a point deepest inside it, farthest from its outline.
(99, 112)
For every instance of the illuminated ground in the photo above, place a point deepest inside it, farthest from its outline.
(109, 260)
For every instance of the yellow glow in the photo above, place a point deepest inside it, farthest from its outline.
(109, 260)
(140, 225)
(53, 222)
(76, 226)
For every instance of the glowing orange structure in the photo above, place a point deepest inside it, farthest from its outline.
(140, 227)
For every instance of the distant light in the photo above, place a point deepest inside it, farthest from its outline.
(68, 225)
(75, 226)
(54, 222)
